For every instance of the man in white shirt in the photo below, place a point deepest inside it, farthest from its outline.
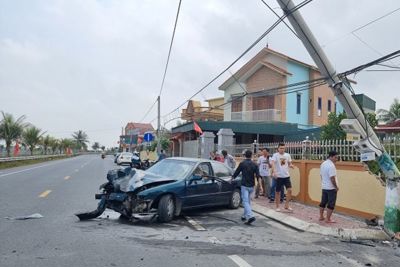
(281, 162)
(229, 161)
(329, 187)
(264, 184)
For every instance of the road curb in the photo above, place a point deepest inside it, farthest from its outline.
(302, 226)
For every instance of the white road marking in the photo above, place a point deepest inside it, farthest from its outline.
(239, 261)
(214, 240)
(45, 193)
(29, 169)
(349, 260)
(67, 177)
(195, 224)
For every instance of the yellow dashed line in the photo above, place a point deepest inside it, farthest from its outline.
(67, 177)
(45, 193)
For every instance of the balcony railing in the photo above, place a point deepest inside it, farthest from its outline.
(257, 115)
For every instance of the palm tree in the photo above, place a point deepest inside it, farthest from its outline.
(392, 114)
(96, 146)
(54, 144)
(31, 137)
(11, 129)
(81, 139)
(66, 143)
(46, 143)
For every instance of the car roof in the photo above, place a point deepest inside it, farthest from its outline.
(189, 159)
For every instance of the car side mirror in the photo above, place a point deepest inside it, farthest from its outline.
(196, 177)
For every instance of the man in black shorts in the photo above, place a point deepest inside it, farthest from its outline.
(281, 162)
(329, 187)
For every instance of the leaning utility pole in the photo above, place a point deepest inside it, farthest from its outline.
(158, 125)
(357, 123)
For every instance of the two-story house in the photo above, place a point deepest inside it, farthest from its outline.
(259, 79)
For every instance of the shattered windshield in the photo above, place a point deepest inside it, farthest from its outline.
(174, 169)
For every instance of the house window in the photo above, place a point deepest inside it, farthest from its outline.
(237, 104)
(298, 103)
(329, 105)
(263, 102)
(335, 107)
(319, 106)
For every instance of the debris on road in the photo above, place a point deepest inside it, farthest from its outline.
(27, 217)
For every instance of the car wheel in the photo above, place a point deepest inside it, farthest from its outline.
(234, 202)
(166, 208)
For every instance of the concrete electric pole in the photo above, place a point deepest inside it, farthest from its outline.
(357, 123)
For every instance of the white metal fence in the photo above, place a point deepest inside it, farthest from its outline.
(257, 115)
(318, 150)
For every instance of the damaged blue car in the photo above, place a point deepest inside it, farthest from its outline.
(166, 189)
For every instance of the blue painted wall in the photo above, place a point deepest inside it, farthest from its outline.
(339, 107)
(299, 74)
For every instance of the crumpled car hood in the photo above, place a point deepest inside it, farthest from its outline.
(141, 178)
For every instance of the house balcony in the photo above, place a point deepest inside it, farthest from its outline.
(257, 115)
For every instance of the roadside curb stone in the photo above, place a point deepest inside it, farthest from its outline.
(300, 225)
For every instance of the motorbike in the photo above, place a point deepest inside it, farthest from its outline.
(103, 156)
(136, 163)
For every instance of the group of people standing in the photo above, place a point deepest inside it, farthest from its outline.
(272, 176)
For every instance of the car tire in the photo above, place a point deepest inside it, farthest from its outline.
(235, 199)
(166, 209)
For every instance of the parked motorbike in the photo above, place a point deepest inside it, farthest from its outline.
(136, 163)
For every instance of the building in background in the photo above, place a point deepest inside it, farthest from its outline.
(194, 111)
(133, 135)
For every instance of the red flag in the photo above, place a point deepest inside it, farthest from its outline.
(197, 127)
(16, 149)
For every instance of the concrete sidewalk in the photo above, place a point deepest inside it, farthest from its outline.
(306, 218)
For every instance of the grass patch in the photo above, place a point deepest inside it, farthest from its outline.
(18, 163)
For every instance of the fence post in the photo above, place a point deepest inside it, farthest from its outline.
(225, 140)
(206, 144)
(306, 145)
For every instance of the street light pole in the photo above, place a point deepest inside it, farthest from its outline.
(357, 121)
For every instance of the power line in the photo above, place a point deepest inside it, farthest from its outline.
(375, 20)
(167, 63)
(276, 14)
(148, 111)
(170, 47)
(273, 26)
(363, 26)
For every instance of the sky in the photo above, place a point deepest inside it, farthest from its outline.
(95, 65)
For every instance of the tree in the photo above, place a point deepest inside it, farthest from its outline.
(46, 143)
(11, 129)
(103, 148)
(66, 143)
(164, 143)
(333, 131)
(81, 139)
(54, 144)
(96, 146)
(31, 137)
(392, 114)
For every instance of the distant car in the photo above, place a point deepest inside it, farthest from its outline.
(116, 157)
(125, 158)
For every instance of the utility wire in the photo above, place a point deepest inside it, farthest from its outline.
(148, 111)
(170, 47)
(276, 14)
(375, 20)
(166, 65)
(273, 26)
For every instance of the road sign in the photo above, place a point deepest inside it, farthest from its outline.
(148, 137)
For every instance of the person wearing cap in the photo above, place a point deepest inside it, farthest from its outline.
(329, 187)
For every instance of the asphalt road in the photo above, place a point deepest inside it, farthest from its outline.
(217, 237)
